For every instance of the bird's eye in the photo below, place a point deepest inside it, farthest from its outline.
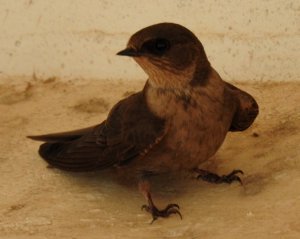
(162, 45)
(156, 46)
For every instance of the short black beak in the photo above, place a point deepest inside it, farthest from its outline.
(129, 52)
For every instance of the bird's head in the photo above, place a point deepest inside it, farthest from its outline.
(169, 53)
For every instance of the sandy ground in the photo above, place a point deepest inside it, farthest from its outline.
(40, 202)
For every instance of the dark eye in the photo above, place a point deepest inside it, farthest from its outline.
(156, 46)
(162, 45)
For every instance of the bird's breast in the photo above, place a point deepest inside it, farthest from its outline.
(197, 126)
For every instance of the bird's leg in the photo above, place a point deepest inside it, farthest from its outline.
(214, 178)
(144, 188)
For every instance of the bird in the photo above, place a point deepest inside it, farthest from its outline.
(176, 122)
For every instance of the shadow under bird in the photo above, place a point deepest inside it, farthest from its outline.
(178, 120)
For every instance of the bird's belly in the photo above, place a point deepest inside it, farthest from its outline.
(187, 144)
(195, 130)
(191, 145)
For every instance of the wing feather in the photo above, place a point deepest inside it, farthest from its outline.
(129, 130)
(247, 109)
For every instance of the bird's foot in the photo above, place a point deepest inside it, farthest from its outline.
(152, 209)
(156, 213)
(214, 178)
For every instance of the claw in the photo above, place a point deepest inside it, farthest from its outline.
(175, 211)
(156, 213)
(236, 171)
(214, 178)
(145, 207)
(172, 205)
(171, 208)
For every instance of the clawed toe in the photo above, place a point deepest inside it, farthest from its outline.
(214, 178)
(171, 208)
(233, 177)
(156, 213)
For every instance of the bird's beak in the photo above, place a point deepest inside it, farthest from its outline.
(129, 52)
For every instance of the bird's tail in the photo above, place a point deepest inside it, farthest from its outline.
(63, 136)
(72, 151)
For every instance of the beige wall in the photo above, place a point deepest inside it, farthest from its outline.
(245, 40)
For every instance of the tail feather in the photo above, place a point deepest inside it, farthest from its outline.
(73, 151)
(56, 154)
(62, 137)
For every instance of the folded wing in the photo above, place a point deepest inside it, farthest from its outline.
(246, 111)
(129, 131)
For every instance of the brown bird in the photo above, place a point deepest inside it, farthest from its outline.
(176, 122)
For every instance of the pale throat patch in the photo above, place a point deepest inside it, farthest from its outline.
(163, 77)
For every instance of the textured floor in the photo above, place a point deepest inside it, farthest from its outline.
(40, 202)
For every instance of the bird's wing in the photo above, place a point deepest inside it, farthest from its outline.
(63, 136)
(129, 131)
(246, 111)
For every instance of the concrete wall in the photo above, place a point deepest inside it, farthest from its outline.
(245, 40)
